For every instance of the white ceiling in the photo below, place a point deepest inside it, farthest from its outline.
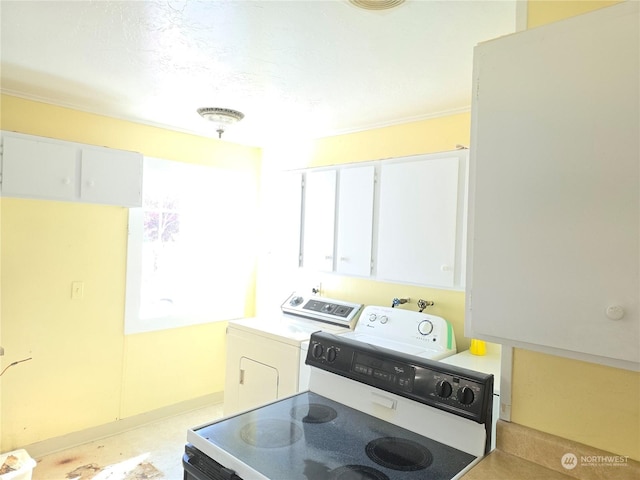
(299, 67)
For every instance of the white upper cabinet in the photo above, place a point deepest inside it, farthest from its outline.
(319, 220)
(38, 167)
(398, 220)
(111, 177)
(554, 260)
(355, 220)
(418, 221)
(338, 220)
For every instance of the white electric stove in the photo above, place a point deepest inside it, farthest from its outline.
(370, 413)
(406, 331)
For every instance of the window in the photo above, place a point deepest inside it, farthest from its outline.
(191, 246)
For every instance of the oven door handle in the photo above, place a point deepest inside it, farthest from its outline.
(384, 401)
(193, 472)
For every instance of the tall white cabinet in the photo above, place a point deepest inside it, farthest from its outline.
(555, 176)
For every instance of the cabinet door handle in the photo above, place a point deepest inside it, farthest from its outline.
(241, 377)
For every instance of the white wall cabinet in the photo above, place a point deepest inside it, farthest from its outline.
(355, 220)
(37, 167)
(319, 220)
(554, 260)
(338, 220)
(418, 221)
(398, 220)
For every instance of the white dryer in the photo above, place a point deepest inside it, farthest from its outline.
(263, 353)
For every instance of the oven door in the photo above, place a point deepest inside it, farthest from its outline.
(197, 466)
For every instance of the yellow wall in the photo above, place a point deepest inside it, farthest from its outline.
(541, 12)
(84, 371)
(570, 398)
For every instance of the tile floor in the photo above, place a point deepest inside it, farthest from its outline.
(152, 451)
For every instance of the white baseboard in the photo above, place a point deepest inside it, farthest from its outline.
(56, 444)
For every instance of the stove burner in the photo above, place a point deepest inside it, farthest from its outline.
(399, 454)
(271, 433)
(314, 413)
(357, 472)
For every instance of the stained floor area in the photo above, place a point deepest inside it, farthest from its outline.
(152, 451)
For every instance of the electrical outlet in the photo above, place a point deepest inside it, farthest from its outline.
(77, 290)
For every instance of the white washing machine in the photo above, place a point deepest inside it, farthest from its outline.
(263, 353)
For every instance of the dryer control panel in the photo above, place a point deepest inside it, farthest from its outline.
(326, 310)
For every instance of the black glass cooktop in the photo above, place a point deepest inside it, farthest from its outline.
(310, 437)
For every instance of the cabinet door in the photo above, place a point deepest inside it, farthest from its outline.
(319, 220)
(258, 384)
(355, 220)
(418, 221)
(554, 256)
(112, 177)
(32, 168)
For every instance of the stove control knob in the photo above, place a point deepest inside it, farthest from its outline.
(465, 396)
(384, 319)
(372, 317)
(425, 327)
(317, 350)
(443, 389)
(331, 354)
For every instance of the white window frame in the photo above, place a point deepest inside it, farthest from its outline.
(231, 212)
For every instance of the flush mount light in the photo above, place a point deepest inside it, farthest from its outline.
(376, 4)
(222, 117)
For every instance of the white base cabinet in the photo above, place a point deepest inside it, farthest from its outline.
(555, 189)
(38, 167)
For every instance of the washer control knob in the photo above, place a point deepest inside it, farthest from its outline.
(317, 350)
(384, 319)
(425, 327)
(443, 389)
(372, 317)
(332, 353)
(465, 396)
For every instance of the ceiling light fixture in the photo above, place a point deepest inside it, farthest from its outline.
(222, 117)
(376, 4)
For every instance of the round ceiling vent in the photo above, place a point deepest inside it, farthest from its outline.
(376, 4)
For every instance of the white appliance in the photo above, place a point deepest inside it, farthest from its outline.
(263, 353)
(488, 363)
(415, 333)
(370, 413)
